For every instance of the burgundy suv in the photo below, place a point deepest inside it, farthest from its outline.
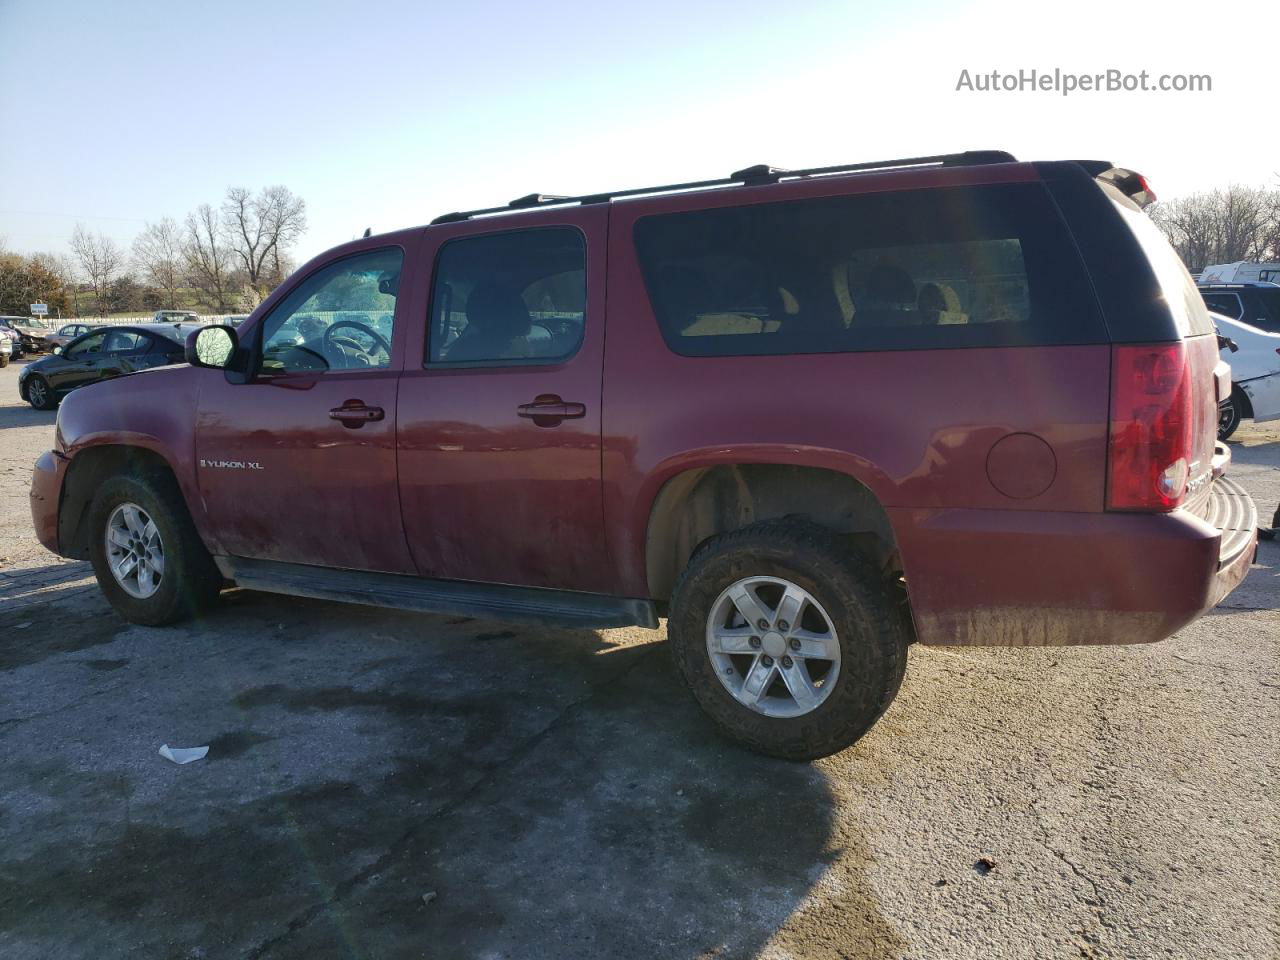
(809, 416)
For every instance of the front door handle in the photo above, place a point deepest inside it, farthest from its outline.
(354, 414)
(548, 410)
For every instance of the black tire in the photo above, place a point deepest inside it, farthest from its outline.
(1230, 413)
(867, 610)
(39, 394)
(190, 582)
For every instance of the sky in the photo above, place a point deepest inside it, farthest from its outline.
(387, 114)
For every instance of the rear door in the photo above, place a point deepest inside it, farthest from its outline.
(499, 413)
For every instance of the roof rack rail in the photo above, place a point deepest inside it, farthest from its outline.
(748, 176)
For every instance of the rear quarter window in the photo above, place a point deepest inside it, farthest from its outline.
(936, 268)
(1179, 291)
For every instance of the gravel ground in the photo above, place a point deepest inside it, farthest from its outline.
(391, 785)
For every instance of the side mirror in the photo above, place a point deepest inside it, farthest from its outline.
(211, 347)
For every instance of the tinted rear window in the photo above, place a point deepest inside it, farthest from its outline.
(1227, 304)
(944, 267)
(1268, 317)
(1179, 290)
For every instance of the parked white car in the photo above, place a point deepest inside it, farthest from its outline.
(1255, 374)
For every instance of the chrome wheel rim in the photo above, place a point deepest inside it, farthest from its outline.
(773, 646)
(36, 391)
(135, 552)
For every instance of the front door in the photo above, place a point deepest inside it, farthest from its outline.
(299, 463)
(499, 410)
(82, 362)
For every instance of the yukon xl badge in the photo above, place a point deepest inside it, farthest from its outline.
(231, 464)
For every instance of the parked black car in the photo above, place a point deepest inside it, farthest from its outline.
(99, 355)
(1257, 304)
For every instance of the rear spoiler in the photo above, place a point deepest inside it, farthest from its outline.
(1129, 182)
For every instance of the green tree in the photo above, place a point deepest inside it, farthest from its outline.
(124, 295)
(27, 280)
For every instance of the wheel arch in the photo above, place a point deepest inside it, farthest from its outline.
(88, 469)
(702, 502)
(1246, 408)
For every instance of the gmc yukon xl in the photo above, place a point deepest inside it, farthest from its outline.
(807, 416)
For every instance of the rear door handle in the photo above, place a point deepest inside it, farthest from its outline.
(355, 414)
(548, 410)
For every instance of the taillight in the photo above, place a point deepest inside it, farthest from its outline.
(1150, 427)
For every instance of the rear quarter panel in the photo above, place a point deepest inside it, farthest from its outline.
(916, 427)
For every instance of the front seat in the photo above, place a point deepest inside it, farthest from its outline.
(497, 326)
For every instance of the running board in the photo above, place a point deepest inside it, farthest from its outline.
(531, 605)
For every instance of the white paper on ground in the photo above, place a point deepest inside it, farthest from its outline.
(183, 754)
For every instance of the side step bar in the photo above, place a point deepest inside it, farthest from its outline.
(531, 605)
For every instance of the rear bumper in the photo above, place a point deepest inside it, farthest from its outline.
(1024, 578)
(46, 493)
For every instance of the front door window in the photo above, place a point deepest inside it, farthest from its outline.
(340, 318)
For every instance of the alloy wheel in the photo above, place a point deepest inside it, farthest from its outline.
(135, 552)
(773, 646)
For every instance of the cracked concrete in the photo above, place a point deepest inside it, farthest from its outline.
(561, 797)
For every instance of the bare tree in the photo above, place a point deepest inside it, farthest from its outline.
(1222, 226)
(158, 251)
(62, 269)
(208, 259)
(100, 259)
(260, 229)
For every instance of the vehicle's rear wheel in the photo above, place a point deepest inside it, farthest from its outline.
(39, 394)
(146, 553)
(1230, 413)
(792, 643)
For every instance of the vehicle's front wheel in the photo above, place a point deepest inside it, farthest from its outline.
(1230, 413)
(792, 643)
(146, 553)
(40, 395)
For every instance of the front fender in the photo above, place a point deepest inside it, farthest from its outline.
(154, 410)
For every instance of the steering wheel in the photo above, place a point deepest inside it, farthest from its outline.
(332, 345)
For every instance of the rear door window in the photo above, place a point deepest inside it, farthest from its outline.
(934, 268)
(509, 298)
(1266, 315)
(1227, 304)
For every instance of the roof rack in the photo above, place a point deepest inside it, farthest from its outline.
(748, 176)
